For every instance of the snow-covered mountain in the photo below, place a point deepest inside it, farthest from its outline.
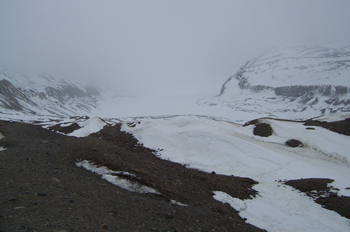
(299, 81)
(28, 94)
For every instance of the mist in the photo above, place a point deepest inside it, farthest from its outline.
(159, 47)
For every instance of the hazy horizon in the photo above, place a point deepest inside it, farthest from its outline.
(159, 47)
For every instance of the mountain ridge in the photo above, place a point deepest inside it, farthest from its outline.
(304, 78)
(21, 93)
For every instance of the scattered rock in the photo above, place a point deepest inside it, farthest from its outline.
(41, 194)
(104, 227)
(12, 198)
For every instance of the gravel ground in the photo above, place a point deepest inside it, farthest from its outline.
(42, 189)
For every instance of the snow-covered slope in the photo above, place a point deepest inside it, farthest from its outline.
(28, 94)
(293, 82)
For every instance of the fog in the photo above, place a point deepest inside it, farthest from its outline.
(159, 47)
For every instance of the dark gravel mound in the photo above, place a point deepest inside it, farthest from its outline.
(294, 143)
(263, 130)
(42, 189)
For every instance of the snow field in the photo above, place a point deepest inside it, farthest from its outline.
(230, 149)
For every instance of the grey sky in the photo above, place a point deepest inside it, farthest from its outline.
(159, 47)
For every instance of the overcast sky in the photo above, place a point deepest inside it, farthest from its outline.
(159, 47)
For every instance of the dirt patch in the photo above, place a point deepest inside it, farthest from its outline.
(42, 189)
(263, 130)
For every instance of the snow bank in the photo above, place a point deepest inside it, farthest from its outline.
(88, 127)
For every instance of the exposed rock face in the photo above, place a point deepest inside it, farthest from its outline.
(43, 95)
(302, 78)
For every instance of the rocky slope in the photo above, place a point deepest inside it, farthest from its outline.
(309, 81)
(42, 188)
(21, 93)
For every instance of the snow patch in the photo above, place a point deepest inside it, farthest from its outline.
(111, 177)
(88, 127)
(2, 148)
(177, 203)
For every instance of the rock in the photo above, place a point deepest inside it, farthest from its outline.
(55, 179)
(104, 227)
(167, 215)
(12, 198)
(41, 194)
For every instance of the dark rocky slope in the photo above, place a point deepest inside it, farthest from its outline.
(41, 188)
